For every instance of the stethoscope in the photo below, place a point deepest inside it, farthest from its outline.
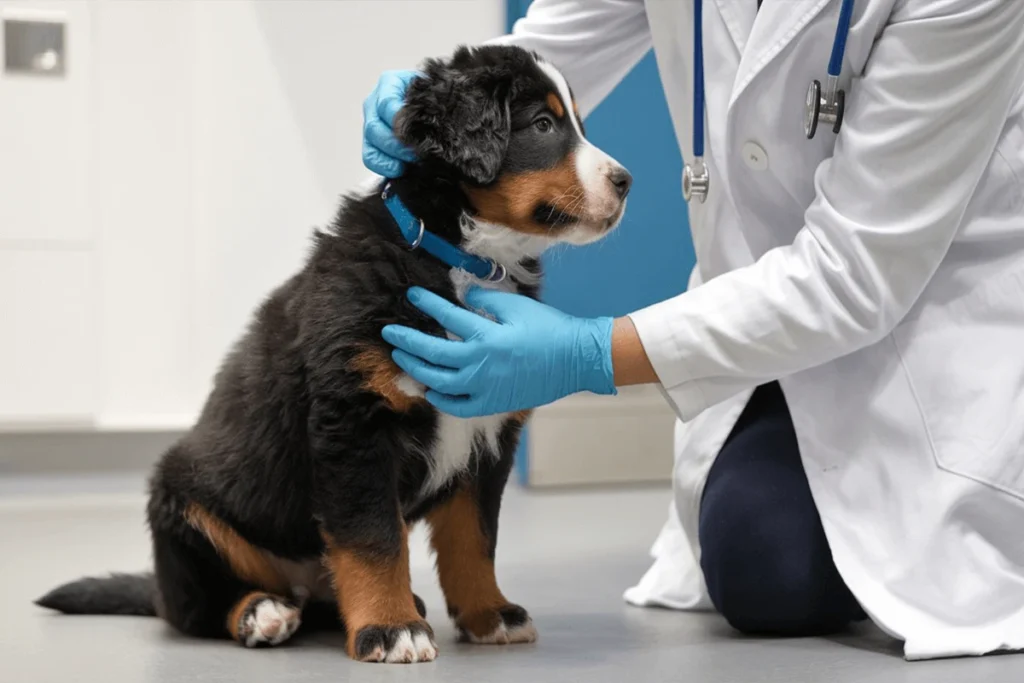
(825, 106)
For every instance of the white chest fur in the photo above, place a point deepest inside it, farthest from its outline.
(457, 437)
(453, 447)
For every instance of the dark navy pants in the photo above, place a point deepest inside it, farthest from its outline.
(765, 558)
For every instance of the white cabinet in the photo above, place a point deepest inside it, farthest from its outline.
(48, 303)
(47, 349)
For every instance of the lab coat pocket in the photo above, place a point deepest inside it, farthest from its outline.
(965, 361)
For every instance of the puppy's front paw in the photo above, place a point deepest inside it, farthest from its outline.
(508, 624)
(402, 644)
(264, 620)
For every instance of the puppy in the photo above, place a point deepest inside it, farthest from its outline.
(292, 496)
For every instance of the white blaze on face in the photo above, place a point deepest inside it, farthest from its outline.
(592, 164)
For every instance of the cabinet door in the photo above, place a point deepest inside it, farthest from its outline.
(47, 351)
(45, 130)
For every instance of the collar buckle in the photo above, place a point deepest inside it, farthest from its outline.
(485, 269)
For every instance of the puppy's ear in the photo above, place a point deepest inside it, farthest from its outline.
(459, 117)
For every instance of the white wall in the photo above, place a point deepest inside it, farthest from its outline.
(143, 127)
(216, 136)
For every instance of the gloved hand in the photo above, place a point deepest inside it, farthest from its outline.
(382, 152)
(530, 355)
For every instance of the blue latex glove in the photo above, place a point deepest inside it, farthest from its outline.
(382, 152)
(530, 355)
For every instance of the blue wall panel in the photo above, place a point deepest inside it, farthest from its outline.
(649, 257)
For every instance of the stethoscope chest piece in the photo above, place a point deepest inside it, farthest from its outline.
(827, 108)
(696, 181)
(823, 104)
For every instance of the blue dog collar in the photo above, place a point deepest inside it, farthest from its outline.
(417, 236)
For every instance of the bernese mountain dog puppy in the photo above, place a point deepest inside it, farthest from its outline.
(292, 496)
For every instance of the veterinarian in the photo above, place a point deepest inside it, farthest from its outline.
(848, 362)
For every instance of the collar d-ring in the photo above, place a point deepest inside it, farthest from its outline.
(419, 238)
(497, 273)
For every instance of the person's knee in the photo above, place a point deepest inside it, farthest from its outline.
(769, 572)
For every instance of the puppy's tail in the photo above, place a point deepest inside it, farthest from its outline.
(130, 594)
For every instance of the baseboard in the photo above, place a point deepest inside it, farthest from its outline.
(587, 439)
(580, 440)
(82, 451)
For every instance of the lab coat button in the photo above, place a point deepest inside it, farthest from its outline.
(755, 156)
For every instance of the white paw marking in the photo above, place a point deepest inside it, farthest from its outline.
(503, 635)
(408, 649)
(426, 651)
(403, 651)
(271, 622)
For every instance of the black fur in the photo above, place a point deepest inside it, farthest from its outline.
(128, 594)
(291, 445)
(513, 616)
(477, 114)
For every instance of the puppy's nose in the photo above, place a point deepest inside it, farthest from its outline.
(622, 180)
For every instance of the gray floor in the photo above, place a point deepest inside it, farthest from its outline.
(565, 556)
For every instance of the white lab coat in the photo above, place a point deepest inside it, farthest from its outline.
(878, 274)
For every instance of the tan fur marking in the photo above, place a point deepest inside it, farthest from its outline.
(235, 615)
(511, 200)
(372, 591)
(464, 565)
(249, 563)
(381, 373)
(555, 104)
(521, 416)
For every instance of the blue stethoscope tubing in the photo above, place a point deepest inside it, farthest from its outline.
(698, 79)
(835, 62)
(825, 107)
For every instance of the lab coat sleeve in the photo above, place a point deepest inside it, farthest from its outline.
(594, 43)
(921, 126)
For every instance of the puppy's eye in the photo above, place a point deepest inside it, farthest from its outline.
(544, 125)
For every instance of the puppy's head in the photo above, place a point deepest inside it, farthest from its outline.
(504, 123)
